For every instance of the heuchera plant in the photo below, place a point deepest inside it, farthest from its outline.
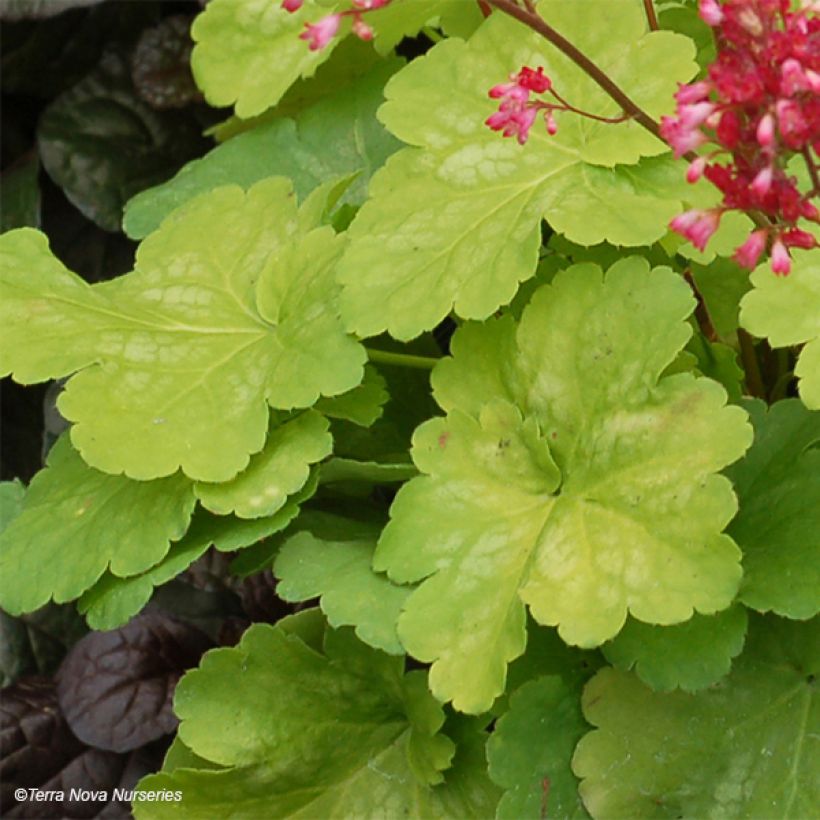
(540, 479)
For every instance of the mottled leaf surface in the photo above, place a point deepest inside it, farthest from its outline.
(181, 359)
(570, 399)
(454, 222)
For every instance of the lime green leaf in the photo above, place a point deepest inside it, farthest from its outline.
(12, 494)
(455, 222)
(786, 310)
(336, 136)
(395, 21)
(352, 594)
(77, 522)
(303, 732)
(636, 526)
(691, 655)
(362, 405)
(180, 359)
(529, 751)
(248, 52)
(278, 471)
(777, 527)
(746, 748)
(112, 600)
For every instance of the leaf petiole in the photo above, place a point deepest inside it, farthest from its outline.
(401, 359)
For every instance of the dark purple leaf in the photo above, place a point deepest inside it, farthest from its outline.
(116, 688)
(160, 65)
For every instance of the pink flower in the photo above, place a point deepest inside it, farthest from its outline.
(369, 5)
(535, 81)
(361, 29)
(710, 12)
(552, 125)
(318, 35)
(765, 131)
(509, 91)
(793, 79)
(694, 93)
(292, 5)
(795, 238)
(749, 253)
(682, 139)
(781, 261)
(695, 170)
(696, 226)
(762, 181)
(513, 120)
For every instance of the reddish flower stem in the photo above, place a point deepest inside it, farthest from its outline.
(539, 25)
(651, 17)
(754, 380)
(815, 182)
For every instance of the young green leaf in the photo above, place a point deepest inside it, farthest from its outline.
(279, 470)
(786, 310)
(77, 522)
(352, 594)
(455, 222)
(301, 728)
(745, 748)
(691, 655)
(363, 405)
(778, 524)
(179, 360)
(594, 496)
(530, 750)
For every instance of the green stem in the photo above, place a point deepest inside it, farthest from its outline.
(754, 381)
(401, 359)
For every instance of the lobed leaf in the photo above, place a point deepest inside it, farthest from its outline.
(179, 360)
(689, 656)
(77, 522)
(455, 221)
(745, 748)
(570, 476)
(318, 726)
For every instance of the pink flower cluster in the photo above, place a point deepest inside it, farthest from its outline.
(516, 113)
(758, 107)
(319, 34)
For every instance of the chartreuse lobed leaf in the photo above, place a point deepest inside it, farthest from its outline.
(786, 310)
(279, 470)
(179, 361)
(338, 571)
(77, 522)
(530, 750)
(745, 748)
(305, 726)
(454, 222)
(248, 52)
(689, 656)
(335, 136)
(569, 476)
(113, 600)
(778, 524)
